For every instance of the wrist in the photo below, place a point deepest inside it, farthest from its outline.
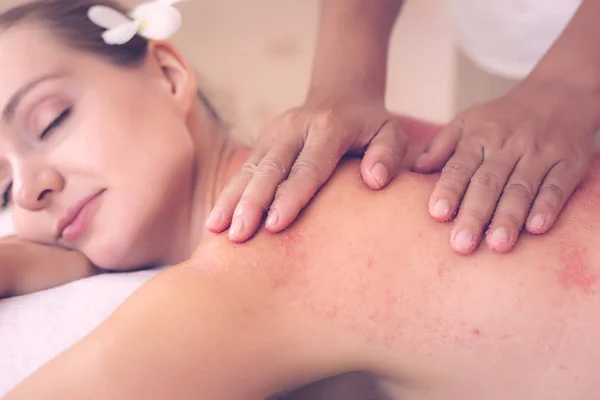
(335, 92)
(352, 47)
(574, 57)
(549, 96)
(551, 69)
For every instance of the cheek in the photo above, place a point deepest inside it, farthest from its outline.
(136, 131)
(141, 204)
(36, 227)
(104, 148)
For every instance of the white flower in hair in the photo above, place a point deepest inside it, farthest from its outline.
(153, 20)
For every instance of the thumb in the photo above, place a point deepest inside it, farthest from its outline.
(440, 148)
(384, 155)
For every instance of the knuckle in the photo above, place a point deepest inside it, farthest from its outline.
(552, 194)
(305, 169)
(523, 140)
(327, 131)
(402, 139)
(490, 134)
(520, 189)
(391, 151)
(509, 218)
(489, 181)
(456, 171)
(396, 137)
(271, 126)
(249, 168)
(553, 153)
(271, 166)
(292, 117)
(448, 187)
(325, 119)
(474, 214)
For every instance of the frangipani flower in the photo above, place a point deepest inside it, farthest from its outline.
(154, 20)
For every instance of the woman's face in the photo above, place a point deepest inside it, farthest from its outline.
(97, 157)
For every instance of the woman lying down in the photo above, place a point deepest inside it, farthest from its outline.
(111, 153)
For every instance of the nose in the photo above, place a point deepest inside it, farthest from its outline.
(33, 186)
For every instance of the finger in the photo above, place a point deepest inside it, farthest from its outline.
(384, 155)
(480, 200)
(321, 153)
(454, 180)
(515, 202)
(221, 215)
(555, 190)
(440, 149)
(260, 190)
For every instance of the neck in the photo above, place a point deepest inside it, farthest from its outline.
(218, 160)
(227, 161)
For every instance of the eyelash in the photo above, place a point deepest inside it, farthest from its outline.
(56, 123)
(6, 196)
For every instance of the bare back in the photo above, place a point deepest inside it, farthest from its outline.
(376, 267)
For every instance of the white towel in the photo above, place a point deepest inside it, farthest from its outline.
(37, 327)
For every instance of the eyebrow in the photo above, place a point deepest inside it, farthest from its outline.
(13, 102)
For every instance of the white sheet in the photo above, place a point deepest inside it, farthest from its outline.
(37, 327)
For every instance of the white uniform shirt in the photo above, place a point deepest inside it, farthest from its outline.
(508, 37)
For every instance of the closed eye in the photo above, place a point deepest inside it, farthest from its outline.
(56, 123)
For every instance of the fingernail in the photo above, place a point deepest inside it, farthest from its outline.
(214, 217)
(421, 159)
(380, 173)
(464, 241)
(239, 211)
(272, 218)
(499, 236)
(440, 209)
(537, 222)
(237, 225)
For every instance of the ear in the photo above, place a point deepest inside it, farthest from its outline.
(177, 75)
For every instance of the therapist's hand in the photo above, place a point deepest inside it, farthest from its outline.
(296, 154)
(511, 163)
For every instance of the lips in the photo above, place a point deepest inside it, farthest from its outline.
(73, 223)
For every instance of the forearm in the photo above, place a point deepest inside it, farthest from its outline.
(575, 55)
(352, 46)
(30, 267)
